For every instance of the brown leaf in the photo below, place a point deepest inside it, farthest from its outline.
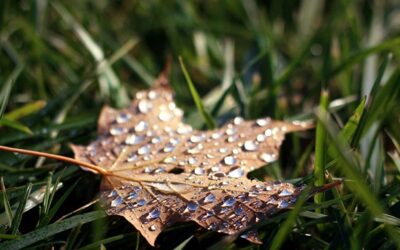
(142, 148)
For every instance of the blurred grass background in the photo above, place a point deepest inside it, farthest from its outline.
(333, 61)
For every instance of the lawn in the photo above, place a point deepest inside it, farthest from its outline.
(335, 63)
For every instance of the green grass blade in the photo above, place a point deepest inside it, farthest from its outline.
(6, 89)
(50, 230)
(15, 125)
(285, 228)
(20, 210)
(320, 148)
(197, 100)
(6, 202)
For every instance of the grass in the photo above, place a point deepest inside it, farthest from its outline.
(61, 61)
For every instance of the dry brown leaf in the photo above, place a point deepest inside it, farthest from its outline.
(160, 171)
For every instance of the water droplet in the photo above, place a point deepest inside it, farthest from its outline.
(123, 117)
(239, 211)
(216, 135)
(184, 129)
(134, 139)
(141, 202)
(153, 214)
(285, 192)
(236, 173)
(152, 94)
(230, 131)
(260, 138)
(112, 193)
(250, 146)
(132, 157)
(141, 126)
(147, 170)
(223, 150)
(215, 168)
(232, 138)
(174, 141)
(268, 132)
(230, 201)
(213, 226)
(117, 131)
(132, 195)
(267, 157)
(153, 228)
(229, 160)
(192, 206)
(199, 171)
(165, 116)
(116, 202)
(156, 140)
(263, 122)
(238, 120)
(209, 198)
(171, 159)
(192, 161)
(144, 106)
(144, 150)
(169, 148)
(197, 138)
(283, 204)
(159, 170)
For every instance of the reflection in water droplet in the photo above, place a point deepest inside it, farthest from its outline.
(141, 202)
(153, 214)
(117, 131)
(263, 122)
(171, 159)
(192, 206)
(268, 132)
(216, 135)
(112, 193)
(260, 138)
(209, 198)
(239, 211)
(192, 161)
(184, 129)
(215, 168)
(285, 192)
(250, 146)
(199, 171)
(229, 202)
(134, 139)
(213, 226)
(156, 140)
(132, 157)
(116, 202)
(165, 116)
(283, 204)
(153, 228)
(144, 106)
(169, 148)
(132, 195)
(144, 150)
(123, 117)
(238, 120)
(141, 126)
(236, 173)
(197, 138)
(229, 160)
(267, 157)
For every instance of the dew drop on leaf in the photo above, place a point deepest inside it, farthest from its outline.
(209, 198)
(229, 202)
(116, 202)
(229, 160)
(236, 173)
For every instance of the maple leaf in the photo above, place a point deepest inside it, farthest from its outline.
(141, 148)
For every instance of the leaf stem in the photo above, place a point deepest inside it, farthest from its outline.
(92, 167)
